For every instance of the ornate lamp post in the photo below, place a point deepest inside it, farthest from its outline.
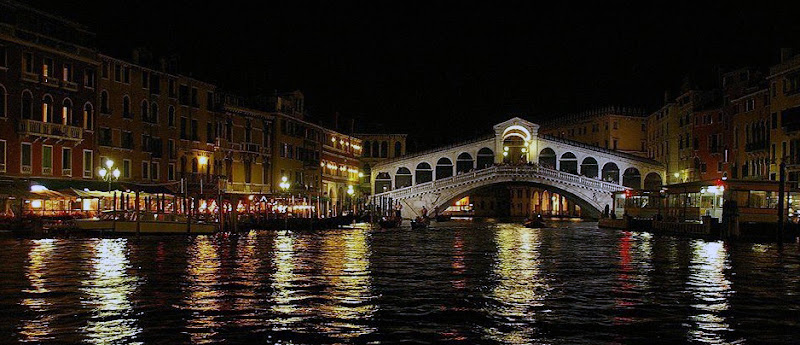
(350, 193)
(285, 187)
(109, 173)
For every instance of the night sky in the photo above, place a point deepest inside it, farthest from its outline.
(445, 71)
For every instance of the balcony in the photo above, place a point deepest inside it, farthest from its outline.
(756, 146)
(50, 130)
(251, 147)
(50, 81)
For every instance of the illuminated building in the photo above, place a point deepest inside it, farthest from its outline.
(340, 167)
(378, 148)
(613, 128)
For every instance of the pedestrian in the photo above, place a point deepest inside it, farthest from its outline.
(398, 210)
(424, 212)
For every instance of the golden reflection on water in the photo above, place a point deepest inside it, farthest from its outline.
(284, 296)
(38, 329)
(248, 266)
(348, 295)
(204, 294)
(458, 265)
(108, 291)
(521, 288)
(710, 289)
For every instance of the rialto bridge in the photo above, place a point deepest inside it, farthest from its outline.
(515, 153)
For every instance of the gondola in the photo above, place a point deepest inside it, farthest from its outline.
(389, 223)
(442, 218)
(420, 223)
(537, 222)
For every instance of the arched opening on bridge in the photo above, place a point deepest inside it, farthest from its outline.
(485, 158)
(569, 163)
(632, 178)
(652, 181)
(383, 182)
(402, 178)
(514, 150)
(547, 158)
(423, 173)
(464, 163)
(589, 167)
(611, 172)
(444, 168)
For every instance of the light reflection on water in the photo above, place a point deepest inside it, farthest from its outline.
(38, 328)
(500, 283)
(521, 289)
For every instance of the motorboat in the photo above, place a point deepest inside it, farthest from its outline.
(131, 223)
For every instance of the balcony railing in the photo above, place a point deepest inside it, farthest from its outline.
(28, 76)
(66, 172)
(50, 130)
(69, 85)
(50, 81)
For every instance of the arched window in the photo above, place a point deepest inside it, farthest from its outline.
(589, 167)
(383, 182)
(423, 173)
(610, 172)
(402, 178)
(444, 168)
(569, 163)
(27, 105)
(384, 149)
(171, 116)
(398, 149)
(47, 109)
(145, 110)
(88, 116)
(632, 178)
(126, 107)
(3, 101)
(195, 167)
(367, 149)
(154, 112)
(485, 158)
(464, 163)
(376, 149)
(104, 103)
(66, 112)
(547, 158)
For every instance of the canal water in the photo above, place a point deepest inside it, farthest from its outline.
(461, 283)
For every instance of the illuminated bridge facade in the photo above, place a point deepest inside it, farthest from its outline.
(515, 153)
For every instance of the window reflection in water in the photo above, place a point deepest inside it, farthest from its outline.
(521, 289)
(38, 328)
(348, 297)
(710, 289)
(108, 291)
(202, 290)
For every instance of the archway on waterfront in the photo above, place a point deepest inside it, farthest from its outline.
(547, 158)
(611, 172)
(444, 168)
(383, 182)
(589, 167)
(632, 178)
(652, 181)
(485, 158)
(402, 178)
(464, 163)
(569, 163)
(423, 173)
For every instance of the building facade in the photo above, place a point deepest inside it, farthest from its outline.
(614, 128)
(48, 83)
(340, 165)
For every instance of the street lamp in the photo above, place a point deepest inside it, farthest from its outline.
(285, 187)
(109, 173)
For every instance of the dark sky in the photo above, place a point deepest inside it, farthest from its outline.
(429, 68)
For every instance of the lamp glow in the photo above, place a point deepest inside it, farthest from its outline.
(202, 160)
(109, 163)
(116, 173)
(102, 172)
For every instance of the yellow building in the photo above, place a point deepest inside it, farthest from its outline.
(613, 128)
(784, 103)
(341, 173)
(378, 148)
(244, 150)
